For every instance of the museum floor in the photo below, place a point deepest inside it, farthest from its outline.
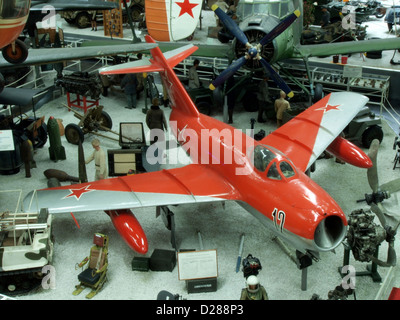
(220, 227)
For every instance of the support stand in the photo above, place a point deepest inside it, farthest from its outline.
(169, 221)
(396, 159)
(81, 102)
(303, 261)
(372, 269)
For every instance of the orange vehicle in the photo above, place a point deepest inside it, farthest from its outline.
(13, 16)
(268, 177)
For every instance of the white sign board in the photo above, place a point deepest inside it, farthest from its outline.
(197, 264)
(352, 71)
(6, 140)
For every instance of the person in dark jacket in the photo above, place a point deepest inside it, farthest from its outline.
(129, 83)
(155, 119)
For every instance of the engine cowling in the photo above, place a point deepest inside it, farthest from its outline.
(130, 229)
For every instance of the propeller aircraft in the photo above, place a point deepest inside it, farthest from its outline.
(268, 31)
(267, 177)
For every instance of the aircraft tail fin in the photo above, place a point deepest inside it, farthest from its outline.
(165, 18)
(163, 63)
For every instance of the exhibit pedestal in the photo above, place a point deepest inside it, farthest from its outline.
(81, 102)
(201, 285)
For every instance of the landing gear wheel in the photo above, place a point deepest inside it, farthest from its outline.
(318, 92)
(19, 55)
(73, 133)
(373, 132)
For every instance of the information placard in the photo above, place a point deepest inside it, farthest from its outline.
(352, 71)
(6, 140)
(197, 264)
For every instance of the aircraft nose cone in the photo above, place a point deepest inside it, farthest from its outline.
(252, 52)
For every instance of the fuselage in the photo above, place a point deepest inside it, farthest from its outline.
(273, 190)
(13, 16)
(257, 18)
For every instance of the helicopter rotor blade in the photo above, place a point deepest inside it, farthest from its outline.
(277, 79)
(228, 72)
(372, 173)
(230, 25)
(282, 26)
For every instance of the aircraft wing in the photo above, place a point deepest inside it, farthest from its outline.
(307, 135)
(63, 5)
(193, 183)
(328, 49)
(53, 55)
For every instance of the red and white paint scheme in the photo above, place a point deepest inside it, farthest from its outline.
(267, 177)
(172, 20)
(13, 16)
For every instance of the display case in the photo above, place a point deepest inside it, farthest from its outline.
(344, 78)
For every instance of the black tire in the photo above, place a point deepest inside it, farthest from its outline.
(70, 21)
(20, 54)
(204, 107)
(379, 13)
(250, 101)
(2, 82)
(73, 133)
(105, 120)
(83, 20)
(136, 11)
(318, 92)
(371, 133)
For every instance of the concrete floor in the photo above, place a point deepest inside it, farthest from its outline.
(221, 228)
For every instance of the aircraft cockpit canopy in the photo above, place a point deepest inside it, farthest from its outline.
(14, 9)
(275, 8)
(277, 167)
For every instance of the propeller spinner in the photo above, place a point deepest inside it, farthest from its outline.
(253, 52)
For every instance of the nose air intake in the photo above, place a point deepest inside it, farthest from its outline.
(329, 233)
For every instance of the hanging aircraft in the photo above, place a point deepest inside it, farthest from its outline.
(14, 15)
(268, 31)
(265, 177)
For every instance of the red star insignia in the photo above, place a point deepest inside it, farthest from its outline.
(186, 7)
(328, 107)
(77, 193)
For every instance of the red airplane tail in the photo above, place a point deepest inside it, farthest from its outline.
(163, 63)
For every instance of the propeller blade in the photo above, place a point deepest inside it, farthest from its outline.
(228, 72)
(391, 186)
(230, 25)
(277, 79)
(372, 173)
(391, 258)
(282, 26)
(377, 209)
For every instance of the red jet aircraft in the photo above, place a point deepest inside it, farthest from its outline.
(265, 177)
